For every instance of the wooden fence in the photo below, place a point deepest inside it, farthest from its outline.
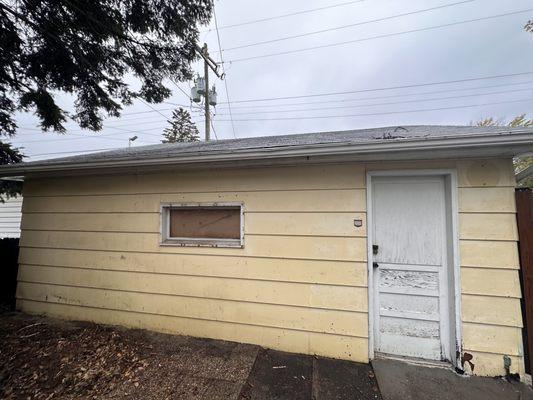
(524, 210)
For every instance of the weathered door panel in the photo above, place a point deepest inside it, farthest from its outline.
(410, 276)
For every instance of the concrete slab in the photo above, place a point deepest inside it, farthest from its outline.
(402, 381)
(343, 380)
(278, 376)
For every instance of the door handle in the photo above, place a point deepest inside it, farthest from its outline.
(375, 265)
(375, 249)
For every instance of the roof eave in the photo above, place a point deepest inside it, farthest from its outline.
(484, 144)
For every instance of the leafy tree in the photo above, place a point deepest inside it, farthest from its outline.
(86, 49)
(182, 128)
(520, 163)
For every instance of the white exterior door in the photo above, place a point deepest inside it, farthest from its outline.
(410, 274)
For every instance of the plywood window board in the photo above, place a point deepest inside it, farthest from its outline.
(215, 224)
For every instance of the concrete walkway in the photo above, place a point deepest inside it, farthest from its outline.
(279, 375)
(401, 381)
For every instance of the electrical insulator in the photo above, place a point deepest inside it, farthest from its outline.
(213, 97)
(200, 85)
(195, 96)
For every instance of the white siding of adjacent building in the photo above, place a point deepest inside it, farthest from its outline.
(10, 215)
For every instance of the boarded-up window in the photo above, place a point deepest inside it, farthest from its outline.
(213, 223)
(202, 224)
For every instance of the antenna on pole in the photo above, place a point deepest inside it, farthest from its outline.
(201, 87)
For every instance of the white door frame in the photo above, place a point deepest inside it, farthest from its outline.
(450, 176)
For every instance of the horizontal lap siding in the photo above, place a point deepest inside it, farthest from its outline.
(90, 250)
(266, 223)
(329, 200)
(347, 298)
(256, 268)
(300, 247)
(10, 215)
(490, 283)
(238, 312)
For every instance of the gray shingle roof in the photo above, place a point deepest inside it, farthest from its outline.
(175, 150)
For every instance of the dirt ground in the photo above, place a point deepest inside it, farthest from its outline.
(44, 358)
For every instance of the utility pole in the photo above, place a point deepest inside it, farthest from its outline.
(209, 63)
(206, 96)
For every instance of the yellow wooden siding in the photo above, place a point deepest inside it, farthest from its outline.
(487, 200)
(483, 309)
(338, 200)
(257, 268)
(264, 223)
(490, 282)
(318, 177)
(90, 250)
(489, 254)
(489, 364)
(491, 313)
(486, 173)
(481, 226)
(302, 247)
(238, 312)
(347, 298)
(488, 338)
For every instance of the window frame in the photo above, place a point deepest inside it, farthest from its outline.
(167, 240)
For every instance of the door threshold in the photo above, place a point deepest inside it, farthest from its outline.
(415, 361)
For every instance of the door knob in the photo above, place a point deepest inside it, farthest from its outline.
(375, 264)
(375, 249)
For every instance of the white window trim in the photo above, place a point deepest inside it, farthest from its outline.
(167, 240)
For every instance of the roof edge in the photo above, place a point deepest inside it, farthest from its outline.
(389, 146)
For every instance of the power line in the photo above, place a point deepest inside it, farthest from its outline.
(383, 97)
(136, 131)
(156, 110)
(361, 105)
(385, 88)
(182, 91)
(336, 101)
(286, 15)
(120, 120)
(347, 26)
(382, 113)
(225, 76)
(153, 110)
(378, 36)
(383, 104)
(118, 127)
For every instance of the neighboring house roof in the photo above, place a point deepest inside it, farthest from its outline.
(400, 142)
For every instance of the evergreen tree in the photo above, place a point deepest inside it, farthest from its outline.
(86, 49)
(182, 128)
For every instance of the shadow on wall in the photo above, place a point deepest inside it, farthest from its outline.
(9, 251)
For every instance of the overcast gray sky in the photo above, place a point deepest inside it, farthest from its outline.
(389, 56)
